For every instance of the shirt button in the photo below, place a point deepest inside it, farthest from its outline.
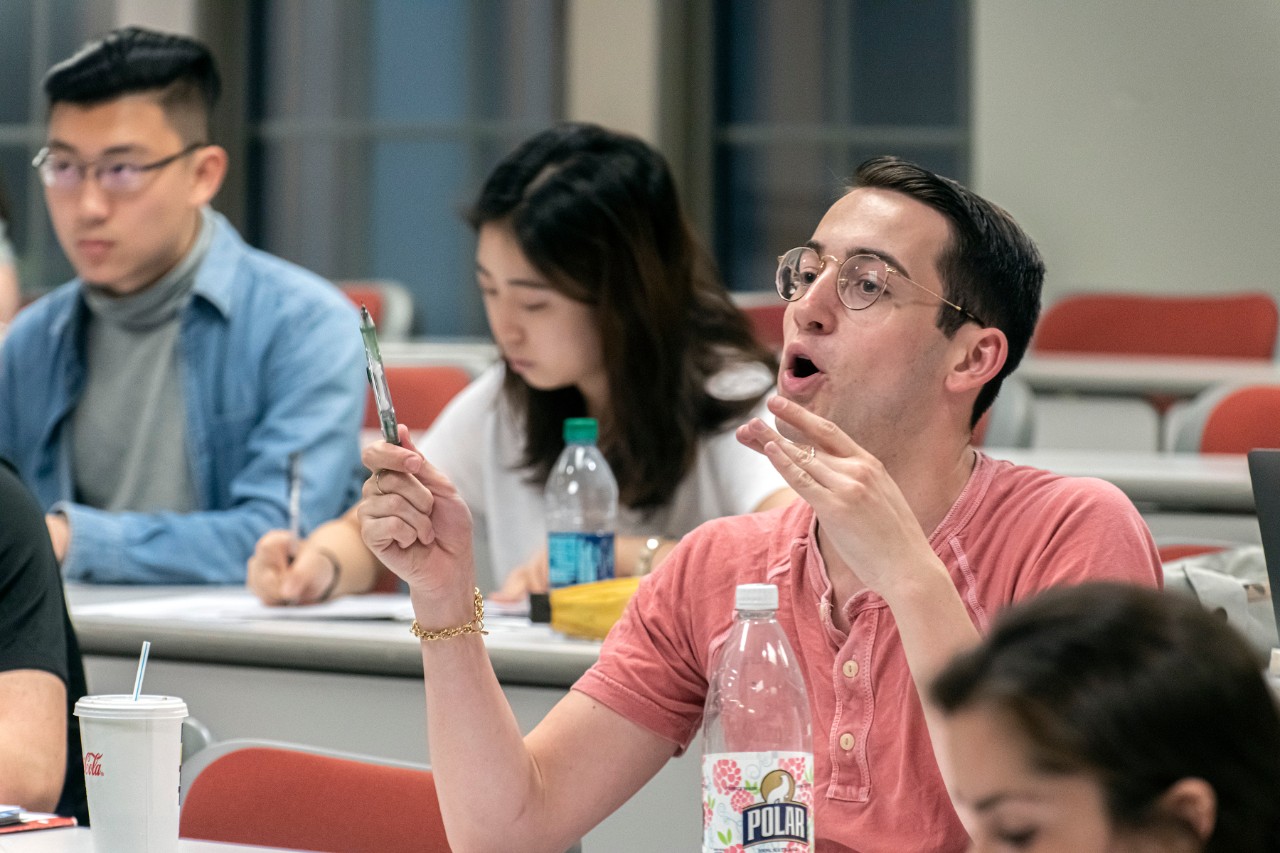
(850, 668)
(846, 741)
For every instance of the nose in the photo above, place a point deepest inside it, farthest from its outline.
(506, 330)
(818, 306)
(93, 202)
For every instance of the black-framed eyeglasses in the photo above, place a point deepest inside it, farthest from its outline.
(861, 281)
(116, 174)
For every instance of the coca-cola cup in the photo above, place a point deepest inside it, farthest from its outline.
(132, 755)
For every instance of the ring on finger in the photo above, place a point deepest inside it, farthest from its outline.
(377, 481)
(809, 452)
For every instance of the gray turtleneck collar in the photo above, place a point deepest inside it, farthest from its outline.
(160, 302)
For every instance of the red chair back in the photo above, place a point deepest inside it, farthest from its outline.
(1246, 418)
(420, 392)
(299, 800)
(1182, 550)
(766, 322)
(1239, 325)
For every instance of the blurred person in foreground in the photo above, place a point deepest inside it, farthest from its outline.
(909, 303)
(153, 402)
(603, 304)
(1113, 719)
(41, 673)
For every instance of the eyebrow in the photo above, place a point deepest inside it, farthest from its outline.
(986, 804)
(515, 282)
(56, 145)
(863, 250)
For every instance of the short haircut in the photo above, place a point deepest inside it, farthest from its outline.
(991, 267)
(179, 70)
(1139, 689)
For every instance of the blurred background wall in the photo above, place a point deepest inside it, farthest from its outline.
(1126, 135)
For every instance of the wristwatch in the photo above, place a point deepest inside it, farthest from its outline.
(644, 561)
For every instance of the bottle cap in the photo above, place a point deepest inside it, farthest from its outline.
(580, 431)
(756, 596)
(1274, 668)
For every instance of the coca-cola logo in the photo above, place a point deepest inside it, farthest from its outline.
(93, 764)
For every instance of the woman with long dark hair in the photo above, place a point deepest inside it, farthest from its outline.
(603, 304)
(1112, 718)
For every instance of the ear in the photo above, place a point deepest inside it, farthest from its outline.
(1191, 802)
(210, 169)
(979, 353)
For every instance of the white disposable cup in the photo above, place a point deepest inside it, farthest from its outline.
(132, 755)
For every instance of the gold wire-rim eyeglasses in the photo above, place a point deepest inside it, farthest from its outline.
(843, 279)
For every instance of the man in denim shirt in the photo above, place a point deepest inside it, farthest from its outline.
(153, 402)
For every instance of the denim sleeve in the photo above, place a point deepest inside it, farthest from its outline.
(312, 388)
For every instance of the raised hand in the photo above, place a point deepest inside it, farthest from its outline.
(415, 522)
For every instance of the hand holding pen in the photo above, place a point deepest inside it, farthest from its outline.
(283, 569)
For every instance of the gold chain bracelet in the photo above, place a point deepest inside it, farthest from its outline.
(475, 626)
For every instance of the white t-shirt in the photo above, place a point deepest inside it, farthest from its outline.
(478, 444)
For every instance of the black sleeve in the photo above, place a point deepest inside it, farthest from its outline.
(32, 608)
(35, 630)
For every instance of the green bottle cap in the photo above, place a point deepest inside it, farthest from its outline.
(580, 430)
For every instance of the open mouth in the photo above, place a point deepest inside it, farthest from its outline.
(802, 367)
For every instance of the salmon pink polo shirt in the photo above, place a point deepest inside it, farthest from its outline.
(1013, 531)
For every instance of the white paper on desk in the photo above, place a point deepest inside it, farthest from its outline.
(222, 605)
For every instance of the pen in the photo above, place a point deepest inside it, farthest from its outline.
(295, 501)
(378, 378)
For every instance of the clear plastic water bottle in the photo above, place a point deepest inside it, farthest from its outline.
(581, 498)
(757, 737)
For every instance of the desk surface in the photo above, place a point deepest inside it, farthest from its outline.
(350, 686)
(1179, 481)
(80, 840)
(521, 653)
(1139, 375)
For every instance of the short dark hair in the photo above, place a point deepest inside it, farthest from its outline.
(1139, 689)
(991, 268)
(179, 69)
(598, 214)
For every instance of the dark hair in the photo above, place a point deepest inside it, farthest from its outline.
(991, 268)
(129, 60)
(1140, 689)
(597, 213)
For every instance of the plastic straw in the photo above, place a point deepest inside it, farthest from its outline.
(142, 668)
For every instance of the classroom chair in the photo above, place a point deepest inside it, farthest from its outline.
(1180, 549)
(419, 392)
(390, 305)
(1226, 419)
(276, 794)
(764, 312)
(1224, 325)
(195, 737)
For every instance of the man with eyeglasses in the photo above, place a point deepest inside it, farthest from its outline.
(910, 303)
(153, 402)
